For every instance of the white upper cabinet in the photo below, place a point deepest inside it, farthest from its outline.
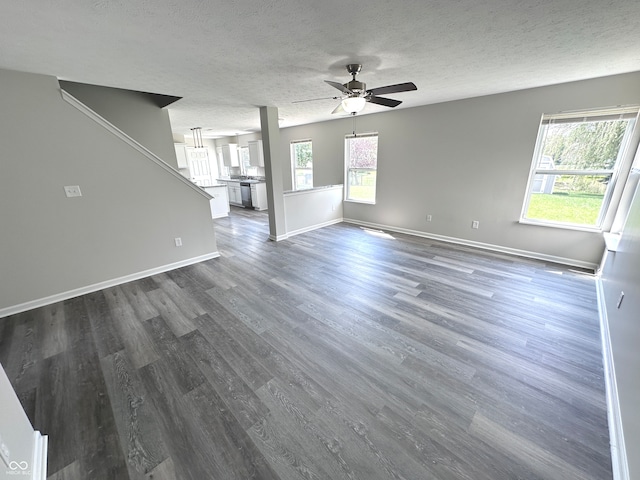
(256, 157)
(181, 155)
(230, 155)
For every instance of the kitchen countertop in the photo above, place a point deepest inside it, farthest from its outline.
(239, 180)
(311, 190)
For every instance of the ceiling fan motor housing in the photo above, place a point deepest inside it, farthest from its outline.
(356, 87)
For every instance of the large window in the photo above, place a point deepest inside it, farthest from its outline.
(578, 159)
(302, 164)
(361, 160)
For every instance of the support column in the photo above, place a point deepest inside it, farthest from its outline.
(273, 164)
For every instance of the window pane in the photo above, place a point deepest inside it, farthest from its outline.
(303, 154)
(575, 199)
(582, 145)
(363, 152)
(362, 185)
(302, 158)
(244, 158)
(304, 178)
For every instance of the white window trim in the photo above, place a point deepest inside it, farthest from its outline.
(346, 169)
(619, 174)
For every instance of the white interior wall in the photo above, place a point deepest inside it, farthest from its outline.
(621, 273)
(125, 222)
(463, 161)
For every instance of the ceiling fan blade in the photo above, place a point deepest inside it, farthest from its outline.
(339, 86)
(387, 102)
(315, 99)
(338, 109)
(400, 87)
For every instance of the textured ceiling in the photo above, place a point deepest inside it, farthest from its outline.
(227, 58)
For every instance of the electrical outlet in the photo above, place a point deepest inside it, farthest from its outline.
(178, 241)
(429, 218)
(72, 191)
(475, 224)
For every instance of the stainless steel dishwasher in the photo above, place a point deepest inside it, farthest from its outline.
(245, 191)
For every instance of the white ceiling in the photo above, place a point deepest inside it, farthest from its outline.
(227, 58)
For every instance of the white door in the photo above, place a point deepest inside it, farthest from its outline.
(199, 166)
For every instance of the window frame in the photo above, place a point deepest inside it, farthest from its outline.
(347, 168)
(294, 167)
(618, 173)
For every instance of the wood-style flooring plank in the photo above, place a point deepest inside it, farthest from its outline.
(104, 329)
(179, 323)
(56, 410)
(240, 398)
(184, 370)
(135, 417)
(98, 447)
(52, 325)
(187, 444)
(139, 346)
(237, 455)
(540, 461)
(22, 359)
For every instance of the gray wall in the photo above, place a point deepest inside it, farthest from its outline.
(463, 161)
(124, 223)
(135, 113)
(621, 273)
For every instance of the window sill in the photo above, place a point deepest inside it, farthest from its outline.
(359, 201)
(561, 226)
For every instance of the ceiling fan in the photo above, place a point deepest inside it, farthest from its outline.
(355, 94)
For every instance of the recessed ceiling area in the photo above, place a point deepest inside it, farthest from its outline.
(226, 59)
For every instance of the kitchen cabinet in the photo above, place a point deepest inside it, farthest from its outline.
(219, 202)
(235, 195)
(181, 155)
(230, 155)
(259, 196)
(256, 155)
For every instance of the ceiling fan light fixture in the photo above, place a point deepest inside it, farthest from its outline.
(353, 104)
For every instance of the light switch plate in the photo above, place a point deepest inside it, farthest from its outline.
(72, 191)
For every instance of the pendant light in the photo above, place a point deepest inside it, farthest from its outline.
(197, 137)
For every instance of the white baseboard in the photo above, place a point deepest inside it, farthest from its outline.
(485, 246)
(616, 438)
(39, 463)
(314, 227)
(278, 238)
(58, 297)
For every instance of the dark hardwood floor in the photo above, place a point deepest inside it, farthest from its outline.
(342, 353)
